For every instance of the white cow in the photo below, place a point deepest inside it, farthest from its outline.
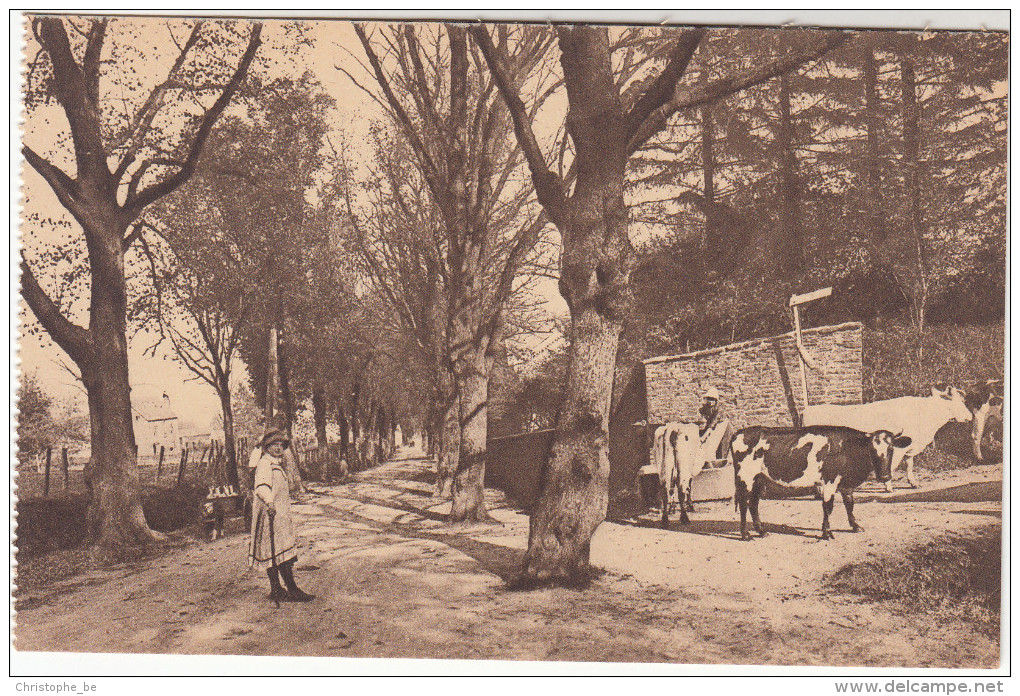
(916, 417)
(675, 458)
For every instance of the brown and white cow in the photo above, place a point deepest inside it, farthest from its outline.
(674, 459)
(916, 417)
(833, 458)
(985, 401)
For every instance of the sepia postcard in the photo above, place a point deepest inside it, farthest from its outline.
(511, 343)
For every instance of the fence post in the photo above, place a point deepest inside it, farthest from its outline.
(65, 464)
(184, 463)
(46, 485)
(159, 464)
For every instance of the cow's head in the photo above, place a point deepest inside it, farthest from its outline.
(956, 399)
(883, 443)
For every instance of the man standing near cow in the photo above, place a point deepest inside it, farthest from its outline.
(716, 432)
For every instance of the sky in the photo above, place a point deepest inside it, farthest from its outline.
(156, 373)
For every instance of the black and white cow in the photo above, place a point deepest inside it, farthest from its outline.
(832, 457)
(985, 401)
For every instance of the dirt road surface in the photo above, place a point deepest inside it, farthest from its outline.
(393, 581)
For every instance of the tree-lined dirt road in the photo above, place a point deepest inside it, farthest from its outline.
(393, 581)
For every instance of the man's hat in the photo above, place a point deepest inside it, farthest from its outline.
(711, 393)
(274, 435)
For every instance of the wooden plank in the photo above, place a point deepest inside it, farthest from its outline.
(159, 465)
(184, 463)
(800, 358)
(810, 296)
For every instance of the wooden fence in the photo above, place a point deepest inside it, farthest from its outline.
(203, 464)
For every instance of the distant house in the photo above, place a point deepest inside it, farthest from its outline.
(156, 426)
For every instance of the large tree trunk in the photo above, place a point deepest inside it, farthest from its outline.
(92, 391)
(114, 519)
(915, 222)
(367, 445)
(356, 462)
(382, 426)
(286, 400)
(229, 441)
(272, 402)
(115, 510)
(448, 432)
(319, 408)
(344, 436)
(473, 366)
(596, 260)
(595, 273)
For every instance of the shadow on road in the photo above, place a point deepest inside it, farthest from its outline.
(983, 513)
(979, 492)
(722, 529)
(501, 561)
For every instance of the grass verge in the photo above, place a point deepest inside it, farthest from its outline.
(51, 531)
(952, 578)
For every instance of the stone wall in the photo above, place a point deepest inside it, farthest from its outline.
(759, 380)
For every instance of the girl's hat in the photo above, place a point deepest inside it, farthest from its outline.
(274, 435)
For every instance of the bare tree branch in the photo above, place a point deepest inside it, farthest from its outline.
(548, 185)
(431, 170)
(157, 191)
(664, 85)
(75, 340)
(712, 91)
(65, 188)
(135, 134)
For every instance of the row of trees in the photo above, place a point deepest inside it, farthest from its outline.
(388, 290)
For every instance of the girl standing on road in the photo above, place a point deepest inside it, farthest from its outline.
(273, 545)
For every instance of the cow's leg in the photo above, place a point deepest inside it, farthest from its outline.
(827, 505)
(828, 500)
(664, 503)
(848, 503)
(897, 457)
(684, 496)
(977, 433)
(756, 492)
(910, 472)
(742, 495)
